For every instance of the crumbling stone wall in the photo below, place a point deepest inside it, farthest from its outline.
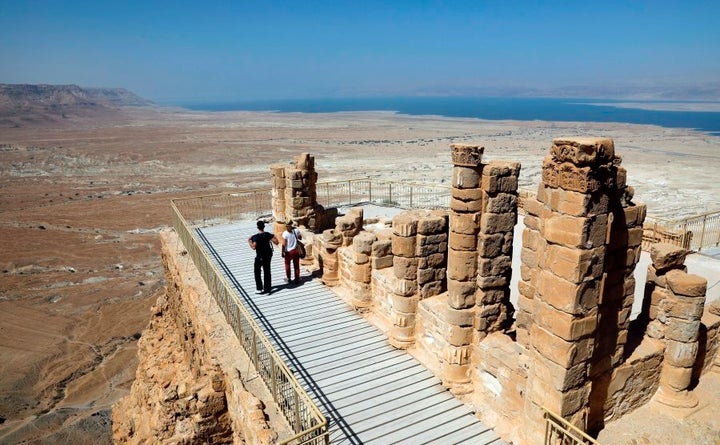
(187, 388)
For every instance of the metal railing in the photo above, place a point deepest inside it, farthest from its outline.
(407, 195)
(304, 417)
(693, 233)
(559, 431)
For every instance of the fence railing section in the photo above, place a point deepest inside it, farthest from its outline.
(406, 195)
(304, 417)
(559, 431)
(693, 233)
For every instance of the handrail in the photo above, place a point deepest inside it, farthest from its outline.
(308, 423)
(559, 430)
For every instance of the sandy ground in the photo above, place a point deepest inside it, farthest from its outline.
(82, 201)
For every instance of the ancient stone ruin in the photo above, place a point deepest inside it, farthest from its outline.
(438, 284)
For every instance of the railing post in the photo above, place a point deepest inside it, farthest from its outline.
(390, 198)
(349, 192)
(297, 412)
(370, 191)
(702, 233)
(411, 193)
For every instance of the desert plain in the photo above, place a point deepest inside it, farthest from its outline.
(82, 200)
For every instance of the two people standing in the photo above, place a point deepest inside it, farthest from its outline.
(261, 243)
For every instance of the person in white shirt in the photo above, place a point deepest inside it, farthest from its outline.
(291, 251)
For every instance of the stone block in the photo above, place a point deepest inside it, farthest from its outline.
(466, 155)
(458, 317)
(356, 257)
(531, 222)
(687, 308)
(500, 265)
(635, 215)
(405, 224)
(492, 295)
(681, 355)
(574, 265)
(526, 290)
(432, 261)
(381, 263)
(635, 236)
(404, 246)
(461, 265)
(497, 222)
(530, 239)
(686, 284)
(676, 377)
(456, 355)
(459, 241)
(431, 289)
(491, 245)
(431, 274)
(575, 231)
(404, 288)
(363, 242)
(360, 272)
(461, 294)
(433, 223)
(459, 336)
(484, 282)
(529, 258)
(667, 256)
(527, 273)
(565, 403)
(682, 330)
(466, 195)
(460, 206)
(573, 298)
(498, 184)
(583, 151)
(501, 203)
(464, 223)
(407, 305)
(466, 177)
(405, 268)
(566, 326)
(564, 353)
(559, 378)
(381, 248)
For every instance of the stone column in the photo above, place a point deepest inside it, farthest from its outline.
(680, 303)
(532, 244)
(432, 245)
(465, 207)
(356, 269)
(494, 246)
(569, 280)
(665, 257)
(328, 245)
(405, 266)
(300, 193)
(278, 193)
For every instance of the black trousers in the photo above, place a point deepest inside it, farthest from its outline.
(263, 263)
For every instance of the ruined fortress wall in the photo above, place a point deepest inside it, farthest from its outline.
(187, 387)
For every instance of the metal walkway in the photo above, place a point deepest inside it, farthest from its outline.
(369, 391)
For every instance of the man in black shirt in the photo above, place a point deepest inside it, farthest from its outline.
(260, 243)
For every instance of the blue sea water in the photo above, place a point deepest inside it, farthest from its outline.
(524, 109)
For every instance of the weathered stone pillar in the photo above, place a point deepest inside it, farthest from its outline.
(278, 193)
(532, 244)
(569, 280)
(350, 225)
(465, 207)
(432, 245)
(328, 262)
(679, 310)
(494, 246)
(405, 286)
(356, 269)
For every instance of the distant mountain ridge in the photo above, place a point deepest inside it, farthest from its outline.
(64, 95)
(22, 104)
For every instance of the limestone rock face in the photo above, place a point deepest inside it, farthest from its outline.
(187, 388)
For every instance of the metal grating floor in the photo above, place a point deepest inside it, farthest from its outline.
(369, 391)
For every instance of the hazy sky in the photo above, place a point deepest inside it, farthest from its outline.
(304, 48)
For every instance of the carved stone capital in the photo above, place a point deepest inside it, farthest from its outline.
(466, 155)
